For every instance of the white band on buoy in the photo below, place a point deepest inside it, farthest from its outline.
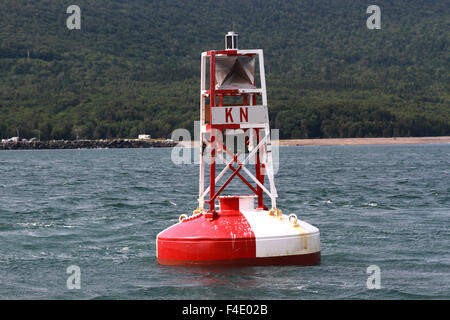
(293, 215)
(182, 217)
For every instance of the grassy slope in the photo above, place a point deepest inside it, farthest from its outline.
(328, 76)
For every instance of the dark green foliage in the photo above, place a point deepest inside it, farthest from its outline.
(135, 66)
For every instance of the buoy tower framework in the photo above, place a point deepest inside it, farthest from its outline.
(231, 73)
(237, 233)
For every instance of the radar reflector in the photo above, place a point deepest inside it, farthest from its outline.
(235, 72)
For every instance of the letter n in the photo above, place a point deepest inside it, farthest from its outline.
(244, 114)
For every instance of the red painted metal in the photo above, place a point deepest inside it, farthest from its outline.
(222, 126)
(226, 183)
(231, 53)
(224, 91)
(203, 242)
(309, 259)
(244, 180)
(216, 144)
(212, 166)
(259, 175)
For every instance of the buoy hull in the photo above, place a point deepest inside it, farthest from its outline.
(239, 236)
(309, 259)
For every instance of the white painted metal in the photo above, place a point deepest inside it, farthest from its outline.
(276, 236)
(224, 170)
(239, 114)
(258, 120)
(201, 183)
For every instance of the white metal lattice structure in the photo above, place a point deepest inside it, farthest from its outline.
(232, 73)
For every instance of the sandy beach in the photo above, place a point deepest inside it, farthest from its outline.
(350, 141)
(364, 141)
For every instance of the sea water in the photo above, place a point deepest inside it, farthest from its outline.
(100, 210)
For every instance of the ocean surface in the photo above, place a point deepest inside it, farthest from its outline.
(383, 205)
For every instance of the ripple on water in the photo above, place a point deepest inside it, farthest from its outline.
(102, 209)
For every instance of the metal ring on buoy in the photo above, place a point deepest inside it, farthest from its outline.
(293, 215)
(182, 217)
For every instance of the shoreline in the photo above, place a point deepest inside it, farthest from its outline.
(348, 141)
(150, 143)
(87, 144)
(364, 141)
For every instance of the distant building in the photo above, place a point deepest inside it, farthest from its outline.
(144, 137)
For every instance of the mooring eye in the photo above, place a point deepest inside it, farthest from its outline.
(293, 218)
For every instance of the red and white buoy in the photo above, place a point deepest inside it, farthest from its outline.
(239, 233)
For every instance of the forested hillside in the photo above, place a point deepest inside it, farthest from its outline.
(134, 66)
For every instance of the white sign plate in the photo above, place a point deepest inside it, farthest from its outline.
(240, 114)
